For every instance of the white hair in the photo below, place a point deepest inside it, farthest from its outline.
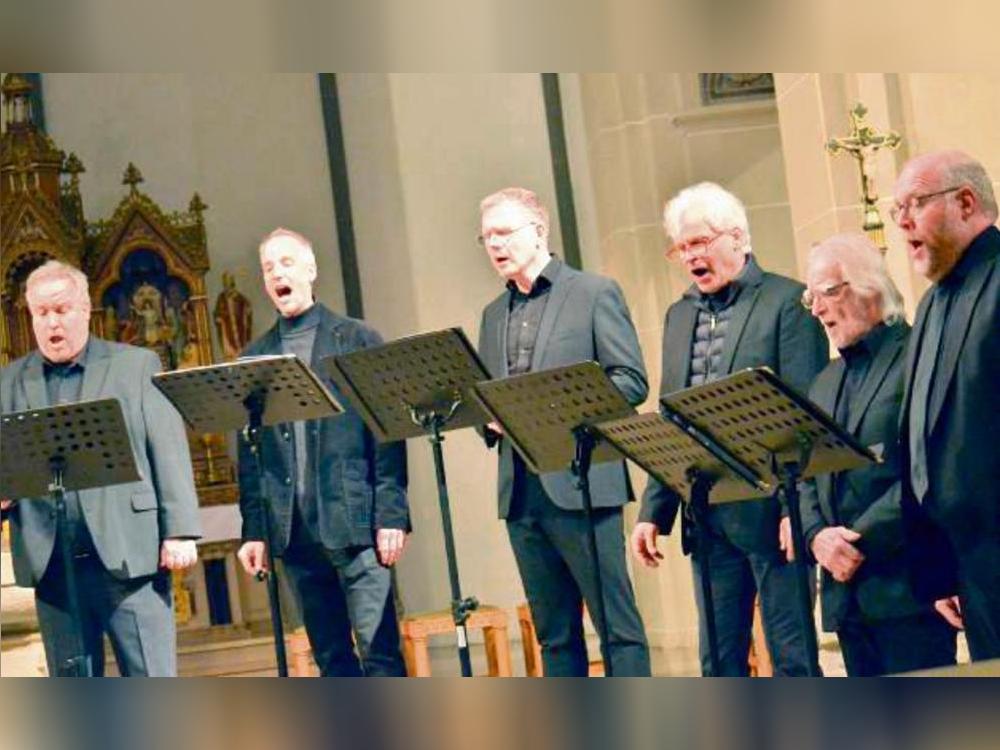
(863, 268)
(304, 244)
(711, 204)
(57, 270)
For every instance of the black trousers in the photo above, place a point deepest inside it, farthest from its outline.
(553, 557)
(343, 591)
(899, 644)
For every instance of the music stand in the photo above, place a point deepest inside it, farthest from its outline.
(699, 470)
(779, 434)
(245, 396)
(77, 447)
(549, 416)
(420, 386)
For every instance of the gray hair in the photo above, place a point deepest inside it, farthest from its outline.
(527, 199)
(710, 203)
(970, 172)
(55, 270)
(863, 267)
(280, 232)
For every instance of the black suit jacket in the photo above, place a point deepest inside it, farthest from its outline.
(361, 485)
(585, 318)
(870, 500)
(963, 422)
(768, 327)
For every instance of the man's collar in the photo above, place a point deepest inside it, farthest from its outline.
(867, 344)
(750, 275)
(977, 251)
(301, 322)
(544, 280)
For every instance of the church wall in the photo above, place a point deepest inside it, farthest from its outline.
(251, 145)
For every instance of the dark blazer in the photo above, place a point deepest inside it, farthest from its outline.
(361, 485)
(870, 502)
(963, 425)
(585, 318)
(768, 327)
(127, 521)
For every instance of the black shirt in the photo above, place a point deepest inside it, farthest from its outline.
(64, 383)
(525, 318)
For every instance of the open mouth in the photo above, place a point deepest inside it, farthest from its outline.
(283, 291)
(56, 340)
(699, 272)
(916, 246)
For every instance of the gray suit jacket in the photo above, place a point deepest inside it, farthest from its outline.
(768, 327)
(585, 319)
(127, 521)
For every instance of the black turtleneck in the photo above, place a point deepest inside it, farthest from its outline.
(298, 337)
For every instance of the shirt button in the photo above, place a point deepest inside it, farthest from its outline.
(288, 480)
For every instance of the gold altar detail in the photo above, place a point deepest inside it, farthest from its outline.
(147, 270)
(862, 142)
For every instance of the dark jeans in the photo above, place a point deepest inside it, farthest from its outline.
(899, 644)
(343, 590)
(136, 614)
(553, 557)
(737, 576)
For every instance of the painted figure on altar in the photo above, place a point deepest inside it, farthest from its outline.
(233, 319)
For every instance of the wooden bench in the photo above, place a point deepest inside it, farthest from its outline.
(416, 629)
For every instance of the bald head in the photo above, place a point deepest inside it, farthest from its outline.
(943, 201)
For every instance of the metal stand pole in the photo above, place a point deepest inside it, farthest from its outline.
(585, 442)
(460, 608)
(78, 665)
(701, 486)
(255, 410)
(789, 474)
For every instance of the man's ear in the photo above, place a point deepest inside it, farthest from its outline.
(969, 202)
(312, 272)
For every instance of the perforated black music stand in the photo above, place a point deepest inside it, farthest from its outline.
(698, 469)
(65, 448)
(417, 386)
(779, 434)
(246, 395)
(549, 416)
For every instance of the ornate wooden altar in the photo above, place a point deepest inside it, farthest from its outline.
(147, 270)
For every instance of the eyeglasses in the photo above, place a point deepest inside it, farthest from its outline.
(503, 238)
(916, 203)
(828, 292)
(694, 247)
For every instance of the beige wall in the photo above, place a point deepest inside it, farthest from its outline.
(251, 145)
(648, 136)
(422, 151)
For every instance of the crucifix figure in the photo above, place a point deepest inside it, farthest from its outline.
(863, 141)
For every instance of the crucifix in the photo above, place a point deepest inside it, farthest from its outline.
(863, 141)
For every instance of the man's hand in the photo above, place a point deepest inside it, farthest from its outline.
(643, 543)
(178, 554)
(785, 538)
(6, 504)
(834, 549)
(951, 610)
(495, 427)
(252, 557)
(390, 543)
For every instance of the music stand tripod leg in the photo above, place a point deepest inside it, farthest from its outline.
(255, 410)
(585, 443)
(460, 608)
(701, 486)
(78, 665)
